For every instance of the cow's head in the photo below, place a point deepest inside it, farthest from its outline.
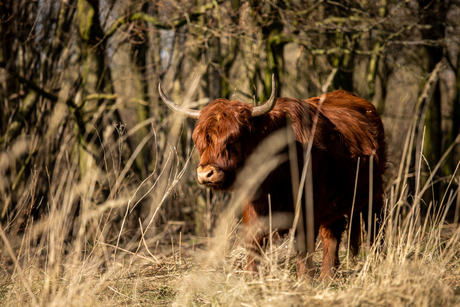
(223, 136)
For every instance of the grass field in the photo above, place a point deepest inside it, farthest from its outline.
(93, 260)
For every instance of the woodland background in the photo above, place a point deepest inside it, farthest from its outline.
(87, 147)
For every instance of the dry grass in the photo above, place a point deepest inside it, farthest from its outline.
(422, 274)
(92, 260)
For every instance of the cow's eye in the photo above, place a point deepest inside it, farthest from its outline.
(229, 146)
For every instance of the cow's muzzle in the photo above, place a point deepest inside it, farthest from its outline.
(209, 175)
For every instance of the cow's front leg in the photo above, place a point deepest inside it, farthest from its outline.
(305, 266)
(253, 236)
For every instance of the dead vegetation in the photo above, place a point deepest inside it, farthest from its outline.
(98, 197)
(96, 259)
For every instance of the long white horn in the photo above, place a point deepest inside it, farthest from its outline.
(195, 114)
(269, 104)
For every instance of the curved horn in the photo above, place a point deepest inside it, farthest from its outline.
(176, 108)
(269, 104)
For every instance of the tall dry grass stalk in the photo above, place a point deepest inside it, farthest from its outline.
(89, 259)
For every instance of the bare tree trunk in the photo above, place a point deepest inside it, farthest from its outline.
(434, 135)
(93, 57)
(139, 49)
(7, 59)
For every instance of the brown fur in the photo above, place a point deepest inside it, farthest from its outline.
(347, 127)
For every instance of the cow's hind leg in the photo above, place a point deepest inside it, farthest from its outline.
(376, 232)
(330, 238)
(354, 235)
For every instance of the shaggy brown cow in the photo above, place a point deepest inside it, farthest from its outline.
(342, 128)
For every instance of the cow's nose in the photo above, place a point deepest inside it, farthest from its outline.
(206, 174)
